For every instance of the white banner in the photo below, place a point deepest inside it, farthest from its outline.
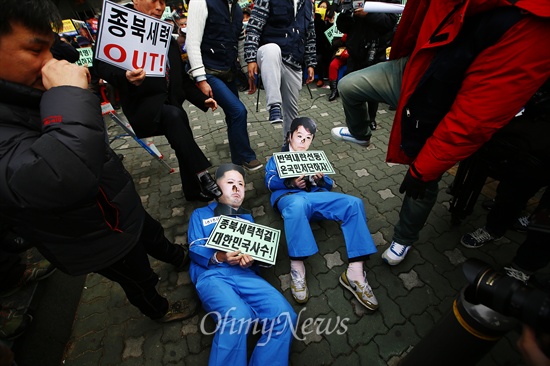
(376, 7)
(132, 40)
(297, 163)
(258, 241)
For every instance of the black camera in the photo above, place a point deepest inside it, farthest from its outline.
(509, 297)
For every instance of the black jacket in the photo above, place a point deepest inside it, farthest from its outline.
(142, 104)
(61, 186)
(374, 27)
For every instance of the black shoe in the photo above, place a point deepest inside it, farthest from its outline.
(373, 125)
(180, 310)
(209, 186)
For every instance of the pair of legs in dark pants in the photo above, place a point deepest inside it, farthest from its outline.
(174, 124)
(134, 273)
(534, 253)
(520, 182)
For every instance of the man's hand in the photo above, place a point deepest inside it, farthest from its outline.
(252, 74)
(530, 350)
(298, 182)
(246, 261)
(211, 103)
(310, 74)
(232, 258)
(360, 12)
(135, 76)
(205, 88)
(62, 73)
(318, 177)
(413, 185)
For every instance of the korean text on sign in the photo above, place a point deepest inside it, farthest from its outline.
(297, 163)
(132, 40)
(258, 241)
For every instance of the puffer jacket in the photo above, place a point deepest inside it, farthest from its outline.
(61, 186)
(495, 86)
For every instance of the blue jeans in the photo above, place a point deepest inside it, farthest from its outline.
(377, 83)
(227, 96)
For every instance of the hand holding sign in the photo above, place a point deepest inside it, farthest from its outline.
(136, 76)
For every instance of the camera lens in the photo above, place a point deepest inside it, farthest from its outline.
(508, 296)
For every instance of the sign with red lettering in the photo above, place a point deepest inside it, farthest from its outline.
(132, 40)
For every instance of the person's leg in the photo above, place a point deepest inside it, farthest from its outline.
(270, 63)
(158, 246)
(296, 211)
(351, 212)
(11, 270)
(291, 84)
(227, 96)
(220, 297)
(377, 83)
(191, 159)
(134, 274)
(413, 215)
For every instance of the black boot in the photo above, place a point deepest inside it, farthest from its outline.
(209, 186)
(333, 90)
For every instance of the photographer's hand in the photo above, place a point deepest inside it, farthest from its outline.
(360, 12)
(530, 350)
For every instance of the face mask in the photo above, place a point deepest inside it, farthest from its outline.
(245, 24)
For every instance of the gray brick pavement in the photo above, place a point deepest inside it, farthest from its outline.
(412, 296)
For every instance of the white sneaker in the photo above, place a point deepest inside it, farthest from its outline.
(395, 253)
(298, 287)
(342, 133)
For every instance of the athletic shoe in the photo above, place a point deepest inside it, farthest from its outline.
(13, 323)
(478, 238)
(33, 272)
(518, 274)
(253, 165)
(362, 291)
(275, 114)
(373, 125)
(342, 133)
(179, 310)
(521, 224)
(395, 253)
(298, 287)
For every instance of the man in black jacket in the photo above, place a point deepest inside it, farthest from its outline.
(153, 106)
(60, 183)
(369, 34)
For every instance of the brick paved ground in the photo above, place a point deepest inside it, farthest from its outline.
(412, 296)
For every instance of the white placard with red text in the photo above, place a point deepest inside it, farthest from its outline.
(132, 40)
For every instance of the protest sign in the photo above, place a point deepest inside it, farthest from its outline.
(132, 40)
(68, 28)
(258, 241)
(86, 57)
(333, 32)
(296, 163)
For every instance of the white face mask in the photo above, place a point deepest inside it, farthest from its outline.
(245, 24)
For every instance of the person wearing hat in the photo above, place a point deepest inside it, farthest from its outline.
(230, 288)
(306, 198)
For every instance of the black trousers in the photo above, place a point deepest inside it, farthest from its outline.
(135, 275)
(174, 124)
(11, 270)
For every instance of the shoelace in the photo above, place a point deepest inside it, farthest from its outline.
(482, 235)
(524, 221)
(517, 274)
(299, 283)
(400, 249)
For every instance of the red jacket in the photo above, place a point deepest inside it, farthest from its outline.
(496, 85)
